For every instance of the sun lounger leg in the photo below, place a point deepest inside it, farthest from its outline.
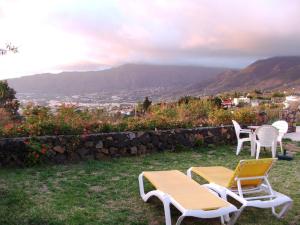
(189, 172)
(180, 220)
(283, 211)
(164, 198)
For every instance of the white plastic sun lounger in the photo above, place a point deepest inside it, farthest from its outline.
(190, 198)
(249, 182)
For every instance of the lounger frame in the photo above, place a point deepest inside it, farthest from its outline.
(166, 199)
(271, 199)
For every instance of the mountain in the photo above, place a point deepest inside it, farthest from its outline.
(122, 78)
(274, 73)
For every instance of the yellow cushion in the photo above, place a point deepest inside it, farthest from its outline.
(187, 192)
(226, 177)
(215, 174)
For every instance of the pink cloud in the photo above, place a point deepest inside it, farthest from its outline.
(61, 34)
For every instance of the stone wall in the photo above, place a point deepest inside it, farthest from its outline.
(291, 116)
(70, 148)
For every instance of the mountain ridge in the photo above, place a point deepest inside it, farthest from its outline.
(275, 73)
(124, 77)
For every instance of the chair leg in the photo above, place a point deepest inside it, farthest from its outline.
(281, 148)
(274, 150)
(257, 152)
(239, 147)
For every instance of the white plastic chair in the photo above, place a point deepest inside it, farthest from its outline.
(283, 127)
(238, 131)
(267, 137)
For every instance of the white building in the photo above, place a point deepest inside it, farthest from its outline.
(241, 99)
(290, 100)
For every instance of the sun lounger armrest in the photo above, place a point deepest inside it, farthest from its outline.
(224, 192)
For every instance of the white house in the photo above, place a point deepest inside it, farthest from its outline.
(241, 99)
(290, 99)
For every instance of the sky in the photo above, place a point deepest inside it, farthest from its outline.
(77, 35)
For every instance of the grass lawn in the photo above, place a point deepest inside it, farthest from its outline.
(106, 192)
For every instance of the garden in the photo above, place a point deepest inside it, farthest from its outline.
(37, 120)
(106, 192)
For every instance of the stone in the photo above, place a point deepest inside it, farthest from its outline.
(133, 150)
(123, 151)
(99, 144)
(100, 155)
(109, 138)
(142, 149)
(88, 144)
(113, 150)
(105, 151)
(199, 137)
(140, 133)
(60, 158)
(83, 152)
(131, 135)
(210, 134)
(59, 149)
(73, 156)
(223, 130)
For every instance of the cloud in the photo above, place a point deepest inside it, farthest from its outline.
(110, 32)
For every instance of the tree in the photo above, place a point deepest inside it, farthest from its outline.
(8, 99)
(146, 104)
(217, 101)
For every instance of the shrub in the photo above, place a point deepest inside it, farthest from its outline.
(220, 117)
(36, 151)
(245, 115)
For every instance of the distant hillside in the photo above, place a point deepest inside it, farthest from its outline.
(125, 77)
(268, 74)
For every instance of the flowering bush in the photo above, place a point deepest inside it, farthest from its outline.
(39, 120)
(36, 151)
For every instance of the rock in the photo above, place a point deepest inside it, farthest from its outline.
(110, 138)
(199, 137)
(83, 152)
(89, 144)
(131, 135)
(133, 150)
(100, 155)
(142, 149)
(223, 130)
(99, 144)
(59, 149)
(105, 151)
(140, 133)
(73, 156)
(210, 134)
(60, 158)
(113, 150)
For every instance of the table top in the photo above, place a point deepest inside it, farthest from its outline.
(253, 127)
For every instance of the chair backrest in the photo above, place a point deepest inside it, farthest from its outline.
(251, 168)
(237, 128)
(267, 135)
(282, 126)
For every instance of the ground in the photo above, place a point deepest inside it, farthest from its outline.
(106, 192)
